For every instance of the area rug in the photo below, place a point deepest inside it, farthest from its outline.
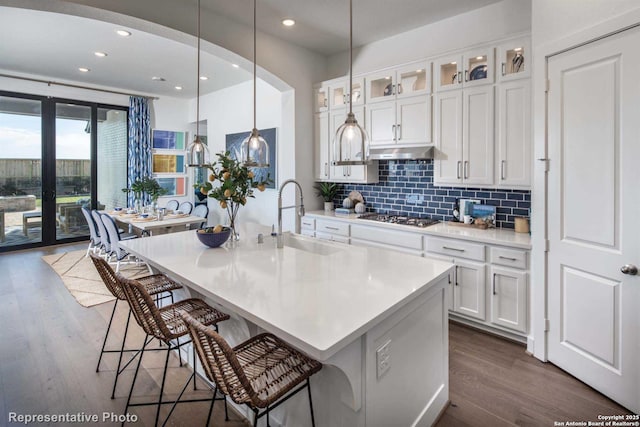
(81, 278)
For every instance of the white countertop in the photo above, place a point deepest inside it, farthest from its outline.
(319, 296)
(497, 236)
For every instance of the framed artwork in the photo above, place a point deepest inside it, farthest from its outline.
(234, 141)
(168, 140)
(174, 186)
(168, 163)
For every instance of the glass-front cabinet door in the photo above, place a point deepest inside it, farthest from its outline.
(413, 79)
(321, 98)
(478, 67)
(340, 93)
(448, 73)
(381, 86)
(514, 59)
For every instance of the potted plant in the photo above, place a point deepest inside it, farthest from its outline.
(148, 186)
(236, 185)
(328, 191)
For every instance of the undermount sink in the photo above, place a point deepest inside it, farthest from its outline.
(303, 244)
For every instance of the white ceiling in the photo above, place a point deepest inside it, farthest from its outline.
(55, 45)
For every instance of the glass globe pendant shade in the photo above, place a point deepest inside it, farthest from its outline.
(351, 144)
(198, 154)
(254, 151)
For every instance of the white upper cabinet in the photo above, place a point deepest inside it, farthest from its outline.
(406, 81)
(339, 93)
(472, 68)
(322, 140)
(321, 97)
(514, 59)
(464, 137)
(513, 160)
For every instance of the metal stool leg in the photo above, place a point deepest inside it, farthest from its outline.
(135, 376)
(124, 338)
(213, 401)
(164, 377)
(106, 335)
(313, 421)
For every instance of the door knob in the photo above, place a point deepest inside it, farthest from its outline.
(629, 269)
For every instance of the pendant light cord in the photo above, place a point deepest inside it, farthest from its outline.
(197, 138)
(350, 54)
(254, 64)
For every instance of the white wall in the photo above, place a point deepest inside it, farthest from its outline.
(472, 28)
(231, 111)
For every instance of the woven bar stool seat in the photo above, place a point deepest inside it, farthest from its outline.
(165, 324)
(262, 372)
(155, 284)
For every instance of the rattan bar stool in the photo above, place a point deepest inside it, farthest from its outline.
(155, 284)
(166, 325)
(261, 373)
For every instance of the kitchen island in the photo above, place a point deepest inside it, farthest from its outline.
(375, 318)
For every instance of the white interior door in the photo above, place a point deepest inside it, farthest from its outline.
(594, 215)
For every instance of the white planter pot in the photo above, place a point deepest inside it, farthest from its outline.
(328, 206)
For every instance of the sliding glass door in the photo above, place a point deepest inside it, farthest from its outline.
(56, 157)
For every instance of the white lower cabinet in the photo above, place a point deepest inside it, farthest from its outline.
(469, 289)
(408, 242)
(509, 298)
(335, 231)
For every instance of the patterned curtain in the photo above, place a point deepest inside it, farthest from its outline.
(139, 146)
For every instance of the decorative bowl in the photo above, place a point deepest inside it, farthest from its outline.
(117, 209)
(144, 215)
(213, 240)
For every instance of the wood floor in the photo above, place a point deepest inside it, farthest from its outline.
(49, 347)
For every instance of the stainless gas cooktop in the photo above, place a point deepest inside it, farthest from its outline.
(398, 219)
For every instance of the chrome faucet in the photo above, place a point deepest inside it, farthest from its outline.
(281, 208)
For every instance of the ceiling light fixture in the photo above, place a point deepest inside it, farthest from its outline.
(288, 22)
(123, 33)
(254, 150)
(100, 54)
(203, 78)
(350, 136)
(198, 151)
(84, 69)
(235, 65)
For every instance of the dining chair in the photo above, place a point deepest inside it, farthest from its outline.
(155, 284)
(172, 205)
(115, 250)
(203, 212)
(166, 325)
(186, 207)
(94, 236)
(262, 372)
(105, 243)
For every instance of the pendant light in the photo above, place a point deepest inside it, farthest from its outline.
(351, 143)
(254, 150)
(198, 152)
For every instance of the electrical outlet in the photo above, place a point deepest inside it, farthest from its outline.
(383, 358)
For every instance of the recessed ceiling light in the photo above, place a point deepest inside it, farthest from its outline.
(518, 49)
(419, 71)
(288, 22)
(178, 87)
(123, 33)
(235, 65)
(158, 79)
(453, 63)
(479, 58)
(100, 54)
(84, 69)
(204, 78)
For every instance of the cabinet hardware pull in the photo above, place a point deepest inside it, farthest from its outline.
(331, 228)
(399, 88)
(502, 169)
(453, 249)
(393, 131)
(494, 283)
(507, 258)
(449, 277)
(458, 169)
(466, 169)
(399, 129)
(344, 98)
(393, 90)
(459, 76)
(324, 102)
(466, 75)
(456, 275)
(504, 69)
(326, 169)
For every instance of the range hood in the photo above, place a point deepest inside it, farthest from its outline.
(404, 153)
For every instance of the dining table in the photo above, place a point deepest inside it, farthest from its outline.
(152, 223)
